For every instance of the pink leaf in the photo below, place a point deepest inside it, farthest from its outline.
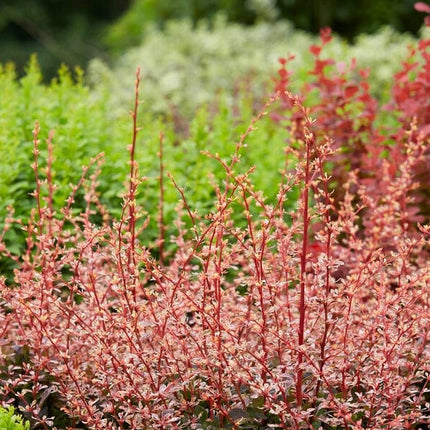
(350, 90)
(314, 49)
(422, 7)
(325, 34)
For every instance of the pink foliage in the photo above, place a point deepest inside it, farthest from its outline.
(339, 99)
(316, 317)
(424, 7)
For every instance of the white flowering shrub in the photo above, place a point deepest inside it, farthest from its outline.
(186, 67)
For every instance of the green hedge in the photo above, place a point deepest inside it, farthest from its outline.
(86, 123)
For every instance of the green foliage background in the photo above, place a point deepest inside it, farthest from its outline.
(10, 421)
(348, 18)
(60, 31)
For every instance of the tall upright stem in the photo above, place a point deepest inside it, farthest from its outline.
(303, 261)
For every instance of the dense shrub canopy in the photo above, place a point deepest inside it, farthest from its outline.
(267, 272)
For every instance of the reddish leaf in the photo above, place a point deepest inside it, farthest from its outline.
(315, 49)
(350, 90)
(325, 34)
(425, 130)
(422, 7)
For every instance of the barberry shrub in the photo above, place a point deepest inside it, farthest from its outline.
(311, 317)
(365, 135)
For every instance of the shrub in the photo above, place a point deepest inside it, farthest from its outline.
(368, 135)
(347, 19)
(187, 67)
(10, 421)
(64, 107)
(311, 317)
(130, 29)
(83, 125)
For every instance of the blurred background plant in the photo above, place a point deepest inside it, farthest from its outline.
(349, 18)
(57, 31)
(10, 421)
(74, 32)
(186, 67)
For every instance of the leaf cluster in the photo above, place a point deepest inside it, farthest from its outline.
(10, 421)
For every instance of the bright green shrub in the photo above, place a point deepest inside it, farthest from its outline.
(218, 134)
(79, 120)
(83, 127)
(10, 421)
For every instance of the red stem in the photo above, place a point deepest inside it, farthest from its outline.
(130, 202)
(133, 173)
(161, 226)
(303, 260)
